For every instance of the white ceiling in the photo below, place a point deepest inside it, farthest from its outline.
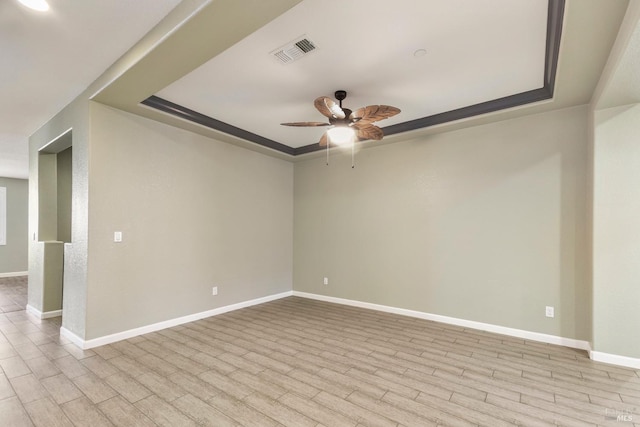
(477, 51)
(50, 58)
(215, 60)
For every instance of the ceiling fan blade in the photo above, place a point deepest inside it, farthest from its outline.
(373, 113)
(328, 108)
(306, 124)
(323, 140)
(369, 132)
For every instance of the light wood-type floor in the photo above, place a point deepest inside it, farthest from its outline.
(299, 362)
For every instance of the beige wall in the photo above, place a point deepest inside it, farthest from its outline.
(615, 179)
(49, 275)
(13, 255)
(74, 116)
(54, 195)
(47, 197)
(489, 223)
(63, 192)
(485, 224)
(616, 231)
(194, 213)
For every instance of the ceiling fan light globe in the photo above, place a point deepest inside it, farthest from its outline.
(39, 5)
(341, 135)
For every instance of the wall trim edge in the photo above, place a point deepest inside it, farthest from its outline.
(518, 333)
(50, 314)
(64, 332)
(14, 274)
(615, 359)
(123, 335)
(42, 315)
(33, 311)
(597, 356)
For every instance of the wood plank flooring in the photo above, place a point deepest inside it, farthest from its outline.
(298, 362)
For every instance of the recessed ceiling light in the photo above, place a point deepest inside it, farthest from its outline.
(39, 5)
(420, 52)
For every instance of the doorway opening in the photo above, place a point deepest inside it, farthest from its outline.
(55, 219)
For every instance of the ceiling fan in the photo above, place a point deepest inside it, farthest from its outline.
(347, 125)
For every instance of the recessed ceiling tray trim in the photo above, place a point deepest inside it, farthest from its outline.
(554, 31)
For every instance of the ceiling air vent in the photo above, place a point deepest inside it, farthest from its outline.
(294, 50)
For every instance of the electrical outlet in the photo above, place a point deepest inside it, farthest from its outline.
(326, 281)
(549, 312)
(214, 291)
(117, 236)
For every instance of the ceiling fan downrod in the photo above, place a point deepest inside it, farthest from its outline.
(340, 95)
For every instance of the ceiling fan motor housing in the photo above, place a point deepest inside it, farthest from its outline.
(340, 95)
(343, 118)
(341, 122)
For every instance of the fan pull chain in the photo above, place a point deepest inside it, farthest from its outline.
(353, 156)
(328, 143)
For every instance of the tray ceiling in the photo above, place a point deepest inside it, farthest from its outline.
(475, 53)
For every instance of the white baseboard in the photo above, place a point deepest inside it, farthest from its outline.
(614, 359)
(519, 333)
(64, 332)
(14, 274)
(119, 336)
(42, 315)
(50, 314)
(33, 311)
